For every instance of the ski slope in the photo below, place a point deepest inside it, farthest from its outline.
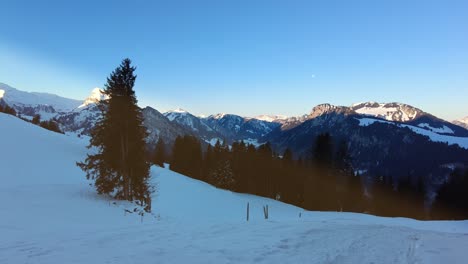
(50, 214)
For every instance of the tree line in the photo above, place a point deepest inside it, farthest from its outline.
(324, 180)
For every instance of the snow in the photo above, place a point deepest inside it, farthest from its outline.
(13, 96)
(95, 96)
(51, 215)
(442, 130)
(433, 136)
(251, 141)
(2, 92)
(271, 118)
(213, 141)
(390, 111)
(218, 116)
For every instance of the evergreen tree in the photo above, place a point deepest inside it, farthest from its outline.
(119, 167)
(159, 155)
(36, 119)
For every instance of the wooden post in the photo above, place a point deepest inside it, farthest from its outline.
(247, 212)
(265, 211)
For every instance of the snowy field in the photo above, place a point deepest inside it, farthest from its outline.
(50, 214)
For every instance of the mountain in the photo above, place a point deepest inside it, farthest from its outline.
(159, 126)
(393, 150)
(463, 122)
(236, 128)
(271, 118)
(388, 111)
(384, 139)
(29, 104)
(194, 124)
(410, 115)
(95, 97)
(82, 119)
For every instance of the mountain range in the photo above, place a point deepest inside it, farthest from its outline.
(385, 139)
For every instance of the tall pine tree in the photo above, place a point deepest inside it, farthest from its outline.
(119, 166)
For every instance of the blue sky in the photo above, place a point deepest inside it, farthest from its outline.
(244, 57)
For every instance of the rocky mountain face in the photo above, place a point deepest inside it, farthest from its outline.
(236, 128)
(194, 124)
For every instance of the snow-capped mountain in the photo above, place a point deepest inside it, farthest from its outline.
(235, 128)
(159, 126)
(95, 97)
(192, 123)
(463, 122)
(388, 111)
(44, 102)
(271, 118)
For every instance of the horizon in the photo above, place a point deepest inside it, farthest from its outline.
(202, 115)
(245, 58)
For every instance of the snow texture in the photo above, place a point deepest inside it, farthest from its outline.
(432, 135)
(51, 215)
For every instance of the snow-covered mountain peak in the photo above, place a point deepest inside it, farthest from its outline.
(271, 118)
(178, 110)
(96, 96)
(218, 116)
(2, 92)
(389, 111)
(177, 114)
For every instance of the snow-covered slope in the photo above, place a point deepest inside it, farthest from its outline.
(16, 97)
(51, 215)
(422, 130)
(389, 111)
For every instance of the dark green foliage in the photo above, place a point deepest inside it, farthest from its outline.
(187, 156)
(4, 108)
(36, 119)
(51, 125)
(159, 154)
(326, 181)
(119, 167)
(452, 200)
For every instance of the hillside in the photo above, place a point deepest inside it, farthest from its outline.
(51, 215)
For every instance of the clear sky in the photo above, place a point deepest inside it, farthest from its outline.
(244, 57)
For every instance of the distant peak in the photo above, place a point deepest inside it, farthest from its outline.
(393, 111)
(271, 118)
(95, 96)
(219, 115)
(178, 110)
(326, 109)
